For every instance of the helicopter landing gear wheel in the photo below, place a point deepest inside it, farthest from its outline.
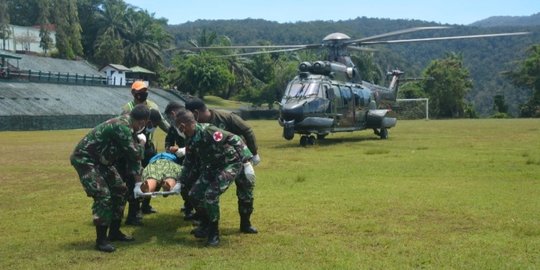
(383, 134)
(303, 140)
(311, 140)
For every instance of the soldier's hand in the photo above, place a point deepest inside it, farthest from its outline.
(249, 171)
(142, 138)
(137, 192)
(180, 152)
(256, 159)
(173, 149)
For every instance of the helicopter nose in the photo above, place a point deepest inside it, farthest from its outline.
(292, 112)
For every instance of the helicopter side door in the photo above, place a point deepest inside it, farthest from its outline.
(347, 109)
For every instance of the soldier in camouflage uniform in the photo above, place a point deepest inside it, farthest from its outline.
(175, 144)
(139, 91)
(233, 123)
(220, 156)
(95, 158)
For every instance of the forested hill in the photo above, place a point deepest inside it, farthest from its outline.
(485, 58)
(532, 20)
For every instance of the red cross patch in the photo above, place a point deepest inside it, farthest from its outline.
(218, 136)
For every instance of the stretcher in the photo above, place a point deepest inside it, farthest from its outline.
(159, 193)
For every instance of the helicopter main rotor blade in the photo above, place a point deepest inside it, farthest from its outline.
(394, 33)
(253, 47)
(362, 49)
(262, 52)
(444, 38)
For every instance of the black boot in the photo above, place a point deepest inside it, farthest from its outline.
(146, 208)
(116, 235)
(133, 217)
(213, 234)
(245, 209)
(202, 229)
(101, 239)
(188, 211)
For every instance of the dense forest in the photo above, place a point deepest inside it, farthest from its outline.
(111, 31)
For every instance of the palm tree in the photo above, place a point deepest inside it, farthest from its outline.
(140, 45)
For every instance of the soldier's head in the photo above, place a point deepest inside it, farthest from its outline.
(185, 122)
(171, 110)
(139, 90)
(199, 110)
(155, 119)
(139, 117)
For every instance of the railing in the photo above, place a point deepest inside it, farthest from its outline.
(52, 77)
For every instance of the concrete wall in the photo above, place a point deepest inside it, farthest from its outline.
(44, 106)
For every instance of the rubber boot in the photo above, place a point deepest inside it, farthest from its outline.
(202, 229)
(213, 234)
(245, 209)
(116, 235)
(133, 217)
(146, 208)
(101, 240)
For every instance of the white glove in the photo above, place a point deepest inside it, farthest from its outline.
(176, 188)
(180, 152)
(256, 159)
(249, 171)
(142, 138)
(137, 190)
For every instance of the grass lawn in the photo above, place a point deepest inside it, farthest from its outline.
(452, 194)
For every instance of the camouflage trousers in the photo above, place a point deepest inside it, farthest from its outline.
(106, 187)
(210, 185)
(244, 193)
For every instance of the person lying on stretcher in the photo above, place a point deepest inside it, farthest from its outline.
(161, 173)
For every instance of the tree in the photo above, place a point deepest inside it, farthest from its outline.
(45, 41)
(446, 84)
(140, 45)
(528, 76)
(5, 31)
(68, 29)
(200, 74)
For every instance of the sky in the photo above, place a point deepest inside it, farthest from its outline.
(283, 11)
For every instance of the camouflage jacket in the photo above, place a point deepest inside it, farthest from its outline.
(231, 122)
(211, 148)
(109, 142)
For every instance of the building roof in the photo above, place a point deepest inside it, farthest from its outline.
(138, 69)
(4, 54)
(117, 67)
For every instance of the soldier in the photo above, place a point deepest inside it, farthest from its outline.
(220, 156)
(233, 123)
(175, 144)
(95, 158)
(139, 90)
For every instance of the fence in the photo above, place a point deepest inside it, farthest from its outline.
(53, 77)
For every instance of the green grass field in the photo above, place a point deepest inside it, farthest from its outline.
(455, 194)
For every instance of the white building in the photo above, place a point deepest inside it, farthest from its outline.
(115, 74)
(26, 38)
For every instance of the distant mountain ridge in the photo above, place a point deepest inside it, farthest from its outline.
(495, 21)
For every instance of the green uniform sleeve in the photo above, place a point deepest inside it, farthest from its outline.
(239, 127)
(132, 151)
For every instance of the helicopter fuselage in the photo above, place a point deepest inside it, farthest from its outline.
(318, 104)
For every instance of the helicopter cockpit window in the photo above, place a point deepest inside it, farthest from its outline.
(297, 89)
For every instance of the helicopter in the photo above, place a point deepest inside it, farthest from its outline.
(329, 96)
